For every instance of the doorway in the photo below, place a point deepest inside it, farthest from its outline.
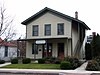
(61, 50)
(47, 50)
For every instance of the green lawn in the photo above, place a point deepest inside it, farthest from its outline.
(33, 66)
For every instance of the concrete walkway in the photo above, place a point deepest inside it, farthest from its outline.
(8, 63)
(82, 67)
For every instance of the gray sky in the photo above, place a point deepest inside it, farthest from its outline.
(88, 10)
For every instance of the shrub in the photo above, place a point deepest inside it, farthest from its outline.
(57, 61)
(2, 61)
(14, 61)
(26, 60)
(92, 66)
(74, 61)
(97, 59)
(50, 59)
(41, 61)
(65, 65)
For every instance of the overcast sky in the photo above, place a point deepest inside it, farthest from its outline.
(88, 10)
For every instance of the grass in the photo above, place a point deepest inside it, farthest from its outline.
(33, 66)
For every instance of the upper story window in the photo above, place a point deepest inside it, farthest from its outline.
(35, 30)
(47, 29)
(60, 28)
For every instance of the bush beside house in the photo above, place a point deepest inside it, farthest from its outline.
(2, 61)
(26, 60)
(14, 60)
(66, 65)
(93, 66)
(49, 60)
(74, 62)
(41, 61)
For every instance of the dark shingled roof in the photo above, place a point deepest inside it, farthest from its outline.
(46, 9)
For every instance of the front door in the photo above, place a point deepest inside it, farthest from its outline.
(47, 50)
(61, 50)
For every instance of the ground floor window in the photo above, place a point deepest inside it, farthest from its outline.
(34, 48)
(6, 51)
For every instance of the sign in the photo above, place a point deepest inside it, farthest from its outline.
(40, 42)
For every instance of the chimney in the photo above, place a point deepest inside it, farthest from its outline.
(76, 15)
(94, 33)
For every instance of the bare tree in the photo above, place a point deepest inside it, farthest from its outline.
(6, 29)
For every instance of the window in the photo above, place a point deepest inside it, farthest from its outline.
(34, 48)
(35, 30)
(60, 27)
(6, 51)
(48, 29)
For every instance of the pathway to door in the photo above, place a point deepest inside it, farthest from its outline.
(82, 67)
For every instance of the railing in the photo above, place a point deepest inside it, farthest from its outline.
(77, 47)
(82, 50)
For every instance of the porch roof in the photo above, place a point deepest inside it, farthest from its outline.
(42, 39)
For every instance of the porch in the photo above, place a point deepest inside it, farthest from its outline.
(59, 47)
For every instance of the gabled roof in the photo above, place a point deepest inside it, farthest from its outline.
(46, 9)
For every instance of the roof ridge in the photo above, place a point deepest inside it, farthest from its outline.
(41, 12)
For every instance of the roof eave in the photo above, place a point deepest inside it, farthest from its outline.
(25, 22)
(86, 26)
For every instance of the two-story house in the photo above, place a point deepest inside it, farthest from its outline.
(51, 33)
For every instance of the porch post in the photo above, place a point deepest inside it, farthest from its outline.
(34, 52)
(46, 49)
(71, 49)
(67, 47)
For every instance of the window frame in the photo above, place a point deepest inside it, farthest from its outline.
(60, 31)
(47, 30)
(35, 32)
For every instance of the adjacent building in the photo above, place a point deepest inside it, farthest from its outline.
(8, 50)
